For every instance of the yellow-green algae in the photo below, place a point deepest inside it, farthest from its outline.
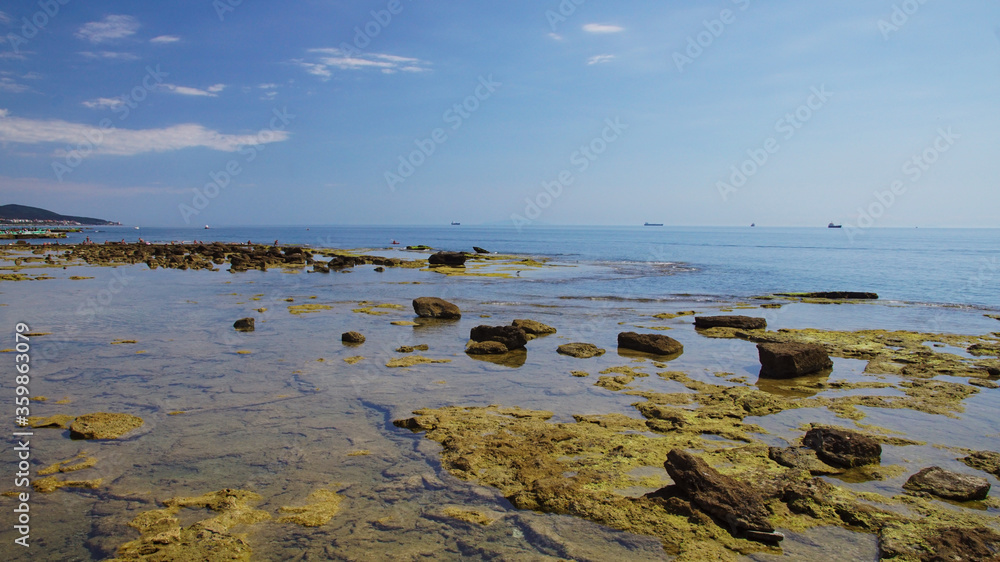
(901, 353)
(324, 504)
(411, 360)
(575, 469)
(354, 359)
(373, 309)
(307, 308)
(468, 515)
(162, 537)
(80, 462)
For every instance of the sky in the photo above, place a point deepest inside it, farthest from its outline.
(868, 113)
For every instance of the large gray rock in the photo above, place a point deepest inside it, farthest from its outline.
(948, 485)
(787, 360)
(453, 259)
(741, 322)
(649, 343)
(433, 307)
(843, 448)
(580, 350)
(511, 336)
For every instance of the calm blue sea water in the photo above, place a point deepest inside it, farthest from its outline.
(935, 266)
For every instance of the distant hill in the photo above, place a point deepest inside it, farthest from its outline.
(26, 213)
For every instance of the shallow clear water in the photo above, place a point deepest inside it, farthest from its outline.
(283, 419)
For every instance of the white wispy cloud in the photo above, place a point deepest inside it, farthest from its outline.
(3, 113)
(599, 59)
(112, 27)
(109, 55)
(211, 91)
(32, 75)
(555, 36)
(127, 142)
(164, 39)
(4, 18)
(11, 55)
(270, 91)
(102, 103)
(602, 28)
(11, 86)
(325, 59)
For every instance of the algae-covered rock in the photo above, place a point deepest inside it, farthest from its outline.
(412, 348)
(580, 350)
(721, 496)
(453, 259)
(163, 538)
(352, 337)
(741, 322)
(412, 360)
(947, 484)
(801, 458)
(60, 421)
(244, 325)
(787, 360)
(433, 307)
(324, 504)
(649, 343)
(485, 348)
(987, 461)
(103, 425)
(532, 327)
(51, 484)
(842, 447)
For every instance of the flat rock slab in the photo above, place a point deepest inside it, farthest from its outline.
(433, 307)
(649, 343)
(103, 425)
(728, 500)
(788, 360)
(949, 485)
(843, 448)
(833, 295)
(580, 350)
(740, 322)
(511, 336)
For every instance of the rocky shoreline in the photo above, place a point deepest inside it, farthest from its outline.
(723, 489)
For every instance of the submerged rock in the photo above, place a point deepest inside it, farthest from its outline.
(103, 425)
(739, 322)
(787, 360)
(733, 502)
(352, 337)
(510, 336)
(244, 325)
(843, 448)
(801, 458)
(433, 307)
(949, 485)
(649, 343)
(532, 327)
(580, 350)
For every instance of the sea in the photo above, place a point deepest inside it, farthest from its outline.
(958, 267)
(288, 409)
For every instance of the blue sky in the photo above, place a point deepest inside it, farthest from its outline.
(867, 113)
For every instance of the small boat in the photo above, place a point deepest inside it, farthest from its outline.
(652, 224)
(753, 224)
(831, 225)
(137, 228)
(456, 224)
(394, 242)
(206, 227)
